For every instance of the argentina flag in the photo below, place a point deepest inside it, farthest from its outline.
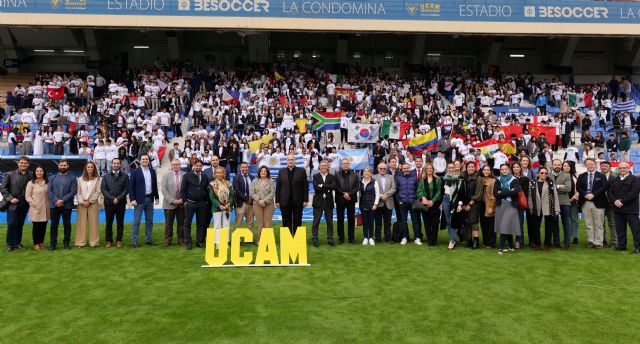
(359, 158)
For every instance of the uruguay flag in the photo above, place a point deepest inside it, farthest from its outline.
(229, 94)
(359, 158)
(275, 164)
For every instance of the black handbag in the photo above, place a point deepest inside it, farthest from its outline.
(418, 206)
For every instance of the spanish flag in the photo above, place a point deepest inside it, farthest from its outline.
(424, 142)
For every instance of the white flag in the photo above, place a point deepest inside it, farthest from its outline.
(363, 133)
(394, 131)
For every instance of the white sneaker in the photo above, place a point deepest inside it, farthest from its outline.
(371, 242)
(365, 242)
(418, 242)
(403, 241)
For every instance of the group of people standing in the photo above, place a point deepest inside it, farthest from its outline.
(462, 200)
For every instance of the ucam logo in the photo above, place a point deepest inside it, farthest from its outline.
(229, 5)
(292, 248)
(566, 12)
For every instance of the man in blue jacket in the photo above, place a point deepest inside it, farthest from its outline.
(62, 190)
(406, 185)
(143, 194)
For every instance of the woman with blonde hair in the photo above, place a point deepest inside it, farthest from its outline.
(37, 195)
(89, 192)
(221, 196)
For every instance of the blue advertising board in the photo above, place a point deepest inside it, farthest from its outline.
(517, 11)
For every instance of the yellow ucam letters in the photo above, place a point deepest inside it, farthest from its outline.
(293, 249)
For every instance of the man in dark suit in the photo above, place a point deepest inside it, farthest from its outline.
(323, 183)
(193, 191)
(114, 186)
(292, 193)
(13, 188)
(592, 187)
(347, 187)
(244, 203)
(623, 194)
(143, 194)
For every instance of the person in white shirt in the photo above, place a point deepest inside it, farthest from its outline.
(440, 165)
(111, 152)
(100, 156)
(499, 158)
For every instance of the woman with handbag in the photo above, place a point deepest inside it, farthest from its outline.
(37, 195)
(430, 195)
(488, 206)
(543, 204)
(89, 192)
(523, 203)
(221, 196)
(454, 191)
(369, 197)
(505, 190)
(471, 205)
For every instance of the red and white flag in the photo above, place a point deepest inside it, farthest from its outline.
(55, 92)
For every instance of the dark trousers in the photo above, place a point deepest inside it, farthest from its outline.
(328, 217)
(621, 229)
(292, 217)
(117, 211)
(351, 220)
(565, 215)
(367, 223)
(383, 215)
(56, 213)
(15, 222)
(487, 224)
(38, 231)
(505, 237)
(200, 210)
(403, 216)
(431, 220)
(169, 216)
(550, 227)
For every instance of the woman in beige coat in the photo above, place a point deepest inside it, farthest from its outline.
(88, 195)
(262, 191)
(37, 195)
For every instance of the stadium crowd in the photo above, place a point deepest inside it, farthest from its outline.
(125, 127)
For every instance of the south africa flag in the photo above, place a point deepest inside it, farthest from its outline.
(326, 120)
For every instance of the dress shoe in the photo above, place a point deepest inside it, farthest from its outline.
(166, 244)
(150, 243)
(118, 244)
(315, 243)
(536, 248)
(566, 247)
(20, 246)
(188, 247)
(331, 243)
(10, 248)
(575, 241)
(340, 241)
(547, 248)
(635, 252)
(107, 245)
(134, 245)
(352, 241)
(621, 248)
(52, 248)
(67, 246)
(200, 245)
(557, 246)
